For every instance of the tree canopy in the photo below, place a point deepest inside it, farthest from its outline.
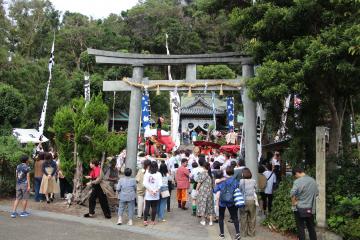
(304, 47)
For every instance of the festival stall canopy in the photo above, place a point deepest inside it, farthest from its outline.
(233, 149)
(206, 144)
(28, 135)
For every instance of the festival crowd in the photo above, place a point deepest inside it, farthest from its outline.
(206, 185)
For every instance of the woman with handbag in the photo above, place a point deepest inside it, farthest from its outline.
(227, 188)
(248, 214)
(164, 192)
(205, 197)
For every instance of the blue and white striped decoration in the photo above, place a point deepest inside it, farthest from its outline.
(239, 198)
(145, 112)
(230, 112)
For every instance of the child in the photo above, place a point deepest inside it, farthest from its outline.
(126, 189)
(22, 186)
(193, 175)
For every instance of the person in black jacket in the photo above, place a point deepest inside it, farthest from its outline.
(49, 185)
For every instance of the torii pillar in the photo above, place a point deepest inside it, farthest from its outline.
(134, 119)
(249, 122)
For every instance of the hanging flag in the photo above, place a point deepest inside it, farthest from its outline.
(174, 105)
(260, 120)
(52, 58)
(145, 113)
(297, 106)
(87, 88)
(281, 133)
(213, 108)
(175, 118)
(230, 112)
(242, 147)
(168, 53)
(43, 111)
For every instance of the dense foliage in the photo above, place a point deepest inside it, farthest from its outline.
(306, 47)
(85, 125)
(12, 105)
(344, 202)
(281, 217)
(10, 153)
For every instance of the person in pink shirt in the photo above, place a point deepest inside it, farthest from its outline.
(183, 184)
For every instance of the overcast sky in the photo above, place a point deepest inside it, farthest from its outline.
(94, 8)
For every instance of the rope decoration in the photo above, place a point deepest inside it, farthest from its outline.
(189, 85)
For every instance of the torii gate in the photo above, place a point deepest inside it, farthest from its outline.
(138, 61)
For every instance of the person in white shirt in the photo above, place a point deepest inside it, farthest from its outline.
(271, 180)
(140, 160)
(120, 160)
(152, 159)
(171, 161)
(276, 165)
(152, 183)
(192, 158)
(218, 157)
(226, 163)
(233, 158)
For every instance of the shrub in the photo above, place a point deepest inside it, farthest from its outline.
(10, 153)
(87, 127)
(282, 216)
(343, 203)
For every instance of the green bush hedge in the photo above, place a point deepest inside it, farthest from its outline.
(282, 217)
(10, 153)
(343, 199)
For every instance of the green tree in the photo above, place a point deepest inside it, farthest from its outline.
(31, 78)
(35, 23)
(82, 128)
(304, 48)
(12, 105)
(4, 25)
(10, 153)
(215, 72)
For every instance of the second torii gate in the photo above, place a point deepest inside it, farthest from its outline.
(138, 61)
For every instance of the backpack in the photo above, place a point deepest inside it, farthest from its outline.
(227, 193)
(262, 181)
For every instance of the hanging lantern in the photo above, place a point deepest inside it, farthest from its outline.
(221, 91)
(158, 90)
(189, 93)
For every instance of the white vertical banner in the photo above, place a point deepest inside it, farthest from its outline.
(43, 111)
(175, 118)
(168, 53)
(174, 105)
(242, 142)
(87, 88)
(260, 122)
(282, 130)
(213, 108)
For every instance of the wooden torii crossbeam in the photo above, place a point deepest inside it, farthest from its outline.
(137, 82)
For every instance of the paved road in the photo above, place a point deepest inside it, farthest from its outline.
(35, 228)
(56, 222)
